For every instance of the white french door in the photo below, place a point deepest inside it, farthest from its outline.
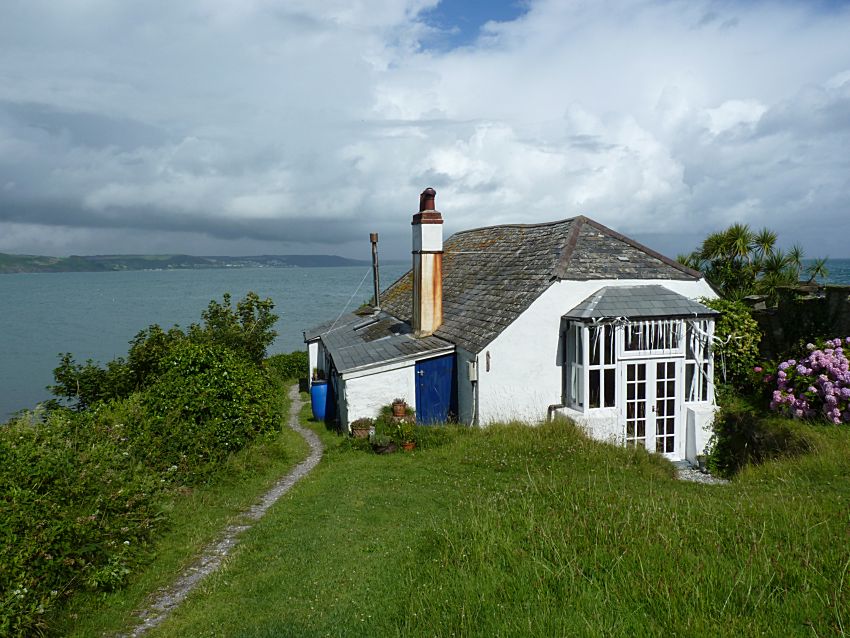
(651, 405)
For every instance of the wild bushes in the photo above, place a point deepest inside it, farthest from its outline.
(82, 487)
(737, 348)
(78, 510)
(207, 404)
(293, 365)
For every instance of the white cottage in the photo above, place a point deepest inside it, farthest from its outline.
(526, 321)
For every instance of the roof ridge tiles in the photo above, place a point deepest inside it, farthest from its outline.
(536, 225)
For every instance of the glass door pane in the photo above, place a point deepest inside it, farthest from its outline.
(636, 400)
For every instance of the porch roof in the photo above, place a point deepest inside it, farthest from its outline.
(356, 342)
(638, 302)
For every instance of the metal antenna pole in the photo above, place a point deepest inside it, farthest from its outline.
(373, 237)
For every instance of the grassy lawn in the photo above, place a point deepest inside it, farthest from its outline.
(539, 531)
(197, 517)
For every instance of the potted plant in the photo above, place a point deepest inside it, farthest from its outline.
(406, 434)
(399, 407)
(383, 444)
(362, 428)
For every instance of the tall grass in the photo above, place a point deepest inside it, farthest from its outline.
(540, 531)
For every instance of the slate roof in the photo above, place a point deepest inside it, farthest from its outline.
(638, 302)
(356, 342)
(491, 275)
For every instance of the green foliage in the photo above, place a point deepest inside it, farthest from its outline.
(148, 352)
(206, 404)
(736, 352)
(77, 512)
(739, 262)
(744, 436)
(293, 365)
(246, 330)
(88, 383)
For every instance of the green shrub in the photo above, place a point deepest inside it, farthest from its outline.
(737, 349)
(208, 403)
(148, 350)
(744, 436)
(86, 384)
(247, 330)
(289, 366)
(77, 511)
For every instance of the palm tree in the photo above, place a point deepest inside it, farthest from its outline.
(740, 241)
(764, 242)
(795, 259)
(817, 269)
(690, 260)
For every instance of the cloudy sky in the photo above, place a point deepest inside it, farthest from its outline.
(298, 126)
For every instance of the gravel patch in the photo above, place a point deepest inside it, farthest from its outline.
(686, 472)
(213, 555)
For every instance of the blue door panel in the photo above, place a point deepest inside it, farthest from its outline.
(436, 389)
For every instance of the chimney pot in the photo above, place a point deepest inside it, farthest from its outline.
(426, 199)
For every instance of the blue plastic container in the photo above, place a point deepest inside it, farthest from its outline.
(319, 399)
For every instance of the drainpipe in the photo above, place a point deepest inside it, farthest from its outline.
(373, 237)
(550, 411)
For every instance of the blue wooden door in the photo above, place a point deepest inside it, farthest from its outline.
(436, 389)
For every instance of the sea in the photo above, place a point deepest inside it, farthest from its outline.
(95, 315)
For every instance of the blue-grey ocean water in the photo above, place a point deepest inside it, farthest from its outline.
(94, 315)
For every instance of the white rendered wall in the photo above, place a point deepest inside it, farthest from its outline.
(365, 395)
(465, 387)
(699, 418)
(525, 374)
(312, 360)
(602, 424)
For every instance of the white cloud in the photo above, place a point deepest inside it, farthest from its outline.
(228, 116)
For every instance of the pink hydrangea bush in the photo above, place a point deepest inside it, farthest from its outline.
(817, 384)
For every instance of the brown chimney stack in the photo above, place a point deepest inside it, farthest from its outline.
(427, 266)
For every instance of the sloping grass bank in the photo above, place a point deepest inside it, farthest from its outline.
(539, 531)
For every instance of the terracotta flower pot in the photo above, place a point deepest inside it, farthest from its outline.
(360, 433)
(408, 446)
(399, 409)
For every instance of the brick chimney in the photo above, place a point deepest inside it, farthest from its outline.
(427, 266)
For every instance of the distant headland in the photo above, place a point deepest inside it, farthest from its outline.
(104, 263)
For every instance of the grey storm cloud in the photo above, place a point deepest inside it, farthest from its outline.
(271, 126)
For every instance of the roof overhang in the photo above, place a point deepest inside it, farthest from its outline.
(637, 303)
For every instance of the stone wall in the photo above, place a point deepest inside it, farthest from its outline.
(803, 313)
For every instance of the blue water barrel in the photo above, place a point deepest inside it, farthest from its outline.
(319, 399)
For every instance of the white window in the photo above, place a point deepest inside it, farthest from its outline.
(602, 366)
(652, 338)
(575, 359)
(699, 368)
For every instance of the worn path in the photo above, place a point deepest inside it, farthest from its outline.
(213, 555)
